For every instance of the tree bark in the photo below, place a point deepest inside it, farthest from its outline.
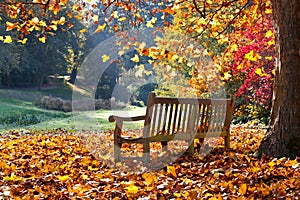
(283, 135)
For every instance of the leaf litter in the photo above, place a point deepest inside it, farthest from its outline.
(61, 164)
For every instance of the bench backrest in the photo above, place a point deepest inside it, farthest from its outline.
(167, 115)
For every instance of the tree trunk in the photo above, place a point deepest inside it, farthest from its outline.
(283, 136)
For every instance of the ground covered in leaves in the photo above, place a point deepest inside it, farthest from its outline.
(59, 165)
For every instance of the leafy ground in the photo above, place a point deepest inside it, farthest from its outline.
(57, 165)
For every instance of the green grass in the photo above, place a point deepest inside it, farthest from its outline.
(17, 111)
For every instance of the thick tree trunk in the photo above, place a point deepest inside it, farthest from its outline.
(283, 137)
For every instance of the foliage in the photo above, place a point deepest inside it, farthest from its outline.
(248, 68)
(59, 165)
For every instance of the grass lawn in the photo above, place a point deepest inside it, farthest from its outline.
(17, 111)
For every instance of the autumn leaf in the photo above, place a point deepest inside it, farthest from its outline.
(171, 170)
(42, 39)
(95, 18)
(269, 33)
(105, 58)
(227, 76)
(260, 72)
(135, 58)
(63, 178)
(243, 189)
(83, 30)
(23, 41)
(100, 28)
(132, 190)
(252, 57)
(10, 26)
(7, 39)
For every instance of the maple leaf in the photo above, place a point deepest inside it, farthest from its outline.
(23, 41)
(7, 39)
(100, 28)
(171, 170)
(63, 178)
(243, 189)
(135, 58)
(132, 190)
(42, 39)
(105, 58)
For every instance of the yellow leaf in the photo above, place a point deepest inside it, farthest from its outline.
(122, 19)
(234, 47)
(243, 189)
(1, 38)
(35, 20)
(171, 170)
(95, 18)
(176, 194)
(7, 39)
(227, 76)
(135, 58)
(269, 34)
(252, 57)
(83, 30)
(100, 28)
(42, 39)
(10, 26)
(115, 14)
(151, 22)
(85, 177)
(271, 42)
(272, 164)
(269, 57)
(105, 58)
(54, 27)
(268, 11)
(42, 23)
(150, 178)
(260, 72)
(132, 189)
(63, 178)
(12, 177)
(23, 41)
(62, 21)
(240, 66)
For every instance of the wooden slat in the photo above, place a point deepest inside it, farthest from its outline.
(170, 119)
(153, 120)
(165, 111)
(184, 117)
(159, 118)
(175, 118)
(179, 117)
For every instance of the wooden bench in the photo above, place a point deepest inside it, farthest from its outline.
(170, 119)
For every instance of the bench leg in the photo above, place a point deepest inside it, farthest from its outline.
(227, 141)
(191, 148)
(146, 151)
(117, 145)
(117, 151)
(164, 146)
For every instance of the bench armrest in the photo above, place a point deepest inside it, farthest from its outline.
(114, 118)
